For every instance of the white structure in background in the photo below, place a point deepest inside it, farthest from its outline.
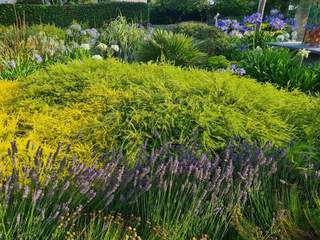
(143, 1)
(8, 1)
(14, 1)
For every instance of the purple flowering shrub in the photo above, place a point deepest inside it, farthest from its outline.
(184, 191)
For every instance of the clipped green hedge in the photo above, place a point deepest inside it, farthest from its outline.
(170, 12)
(93, 14)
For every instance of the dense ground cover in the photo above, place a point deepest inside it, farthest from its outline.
(94, 104)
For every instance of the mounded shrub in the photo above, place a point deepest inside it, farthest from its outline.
(94, 15)
(235, 8)
(172, 11)
(96, 104)
(212, 40)
(218, 62)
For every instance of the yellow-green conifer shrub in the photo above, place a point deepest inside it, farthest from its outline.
(106, 105)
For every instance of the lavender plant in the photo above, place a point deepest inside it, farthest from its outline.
(285, 207)
(182, 191)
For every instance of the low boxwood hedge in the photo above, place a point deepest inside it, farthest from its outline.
(92, 14)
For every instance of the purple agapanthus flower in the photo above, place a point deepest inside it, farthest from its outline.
(275, 13)
(253, 19)
(224, 25)
(241, 71)
(277, 24)
(38, 58)
(292, 23)
(238, 71)
(235, 25)
(233, 67)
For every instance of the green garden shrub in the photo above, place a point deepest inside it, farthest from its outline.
(95, 15)
(29, 2)
(235, 8)
(218, 62)
(212, 40)
(283, 68)
(49, 29)
(96, 104)
(177, 48)
(173, 11)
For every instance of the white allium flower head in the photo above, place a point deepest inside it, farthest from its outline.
(281, 38)
(259, 49)
(304, 53)
(102, 47)
(97, 57)
(75, 27)
(291, 7)
(115, 48)
(69, 32)
(85, 46)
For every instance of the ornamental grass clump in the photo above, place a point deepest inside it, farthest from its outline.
(128, 36)
(283, 68)
(177, 48)
(181, 192)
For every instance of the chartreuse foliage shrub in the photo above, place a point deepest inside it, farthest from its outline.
(95, 15)
(107, 105)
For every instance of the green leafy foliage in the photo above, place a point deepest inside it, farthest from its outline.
(212, 40)
(49, 29)
(172, 11)
(235, 8)
(128, 36)
(176, 48)
(281, 67)
(93, 14)
(238, 46)
(218, 62)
